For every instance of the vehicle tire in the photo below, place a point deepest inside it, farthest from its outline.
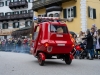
(41, 62)
(68, 60)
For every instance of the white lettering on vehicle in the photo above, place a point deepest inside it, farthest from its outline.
(59, 35)
(60, 44)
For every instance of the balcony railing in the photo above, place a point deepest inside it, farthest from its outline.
(18, 4)
(42, 3)
(16, 17)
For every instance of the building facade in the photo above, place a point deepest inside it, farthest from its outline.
(14, 14)
(80, 14)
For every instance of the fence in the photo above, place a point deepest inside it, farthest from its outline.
(15, 48)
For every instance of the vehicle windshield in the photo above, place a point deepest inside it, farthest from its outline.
(58, 29)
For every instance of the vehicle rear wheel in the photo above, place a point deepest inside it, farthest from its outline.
(41, 62)
(68, 60)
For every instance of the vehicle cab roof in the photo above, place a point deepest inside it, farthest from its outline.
(56, 23)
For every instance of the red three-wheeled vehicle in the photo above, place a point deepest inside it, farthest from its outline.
(51, 38)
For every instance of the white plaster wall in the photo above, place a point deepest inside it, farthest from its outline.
(83, 15)
(7, 9)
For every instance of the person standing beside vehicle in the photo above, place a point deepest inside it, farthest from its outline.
(72, 39)
(79, 42)
(98, 43)
(79, 38)
(93, 33)
(89, 45)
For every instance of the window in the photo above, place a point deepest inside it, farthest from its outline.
(5, 26)
(30, 0)
(16, 12)
(91, 13)
(56, 15)
(16, 25)
(2, 14)
(7, 3)
(23, 12)
(58, 29)
(15, 0)
(43, 15)
(69, 12)
(8, 13)
(11, 1)
(51, 15)
(23, 0)
(29, 11)
(1, 4)
(28, 23)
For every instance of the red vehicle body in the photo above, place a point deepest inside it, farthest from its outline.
(48, 42)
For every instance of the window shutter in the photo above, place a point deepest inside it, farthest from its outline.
(1, 14)
(74, 11)
(3, 26)
(5, 14)
(2, 4)
(6, 3)
(24, 12)
(88, 11)
(94, 13)
(20, 12)
(25, 23)
(18, 25)
(13, 25)
(64, 13)
(28, 11)
(7, 25)
(11, 13)
(30, 23)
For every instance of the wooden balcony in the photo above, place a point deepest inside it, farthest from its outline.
(2, 18)
(45, 3)
(19, 4)
(16, 17)
(5, 31)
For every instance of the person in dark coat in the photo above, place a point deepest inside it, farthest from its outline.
(89, 45)
(13, 44)
(9, 45)
(19, 43)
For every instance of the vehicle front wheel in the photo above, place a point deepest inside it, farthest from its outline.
(68, 60)
(41, 62)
